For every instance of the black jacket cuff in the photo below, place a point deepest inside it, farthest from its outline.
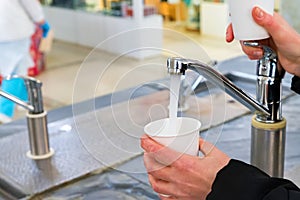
(241, 181)
(296, 84)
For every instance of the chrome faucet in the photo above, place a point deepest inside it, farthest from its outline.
(268, 126)
(36, 118)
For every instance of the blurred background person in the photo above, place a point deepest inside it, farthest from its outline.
(18, 21)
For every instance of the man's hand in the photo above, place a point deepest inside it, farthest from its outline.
(182, 176)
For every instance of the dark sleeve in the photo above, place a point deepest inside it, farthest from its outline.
(240, 181)
(296, 84)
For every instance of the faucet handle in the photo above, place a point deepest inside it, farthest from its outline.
(268, 65)
(268, 51)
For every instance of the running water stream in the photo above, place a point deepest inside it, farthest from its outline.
(173, 106)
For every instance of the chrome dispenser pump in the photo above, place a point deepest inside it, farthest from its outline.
(268, 126)
(36, 119)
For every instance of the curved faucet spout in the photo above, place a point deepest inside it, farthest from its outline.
(16, 100)
(35, 99)
(180, 65)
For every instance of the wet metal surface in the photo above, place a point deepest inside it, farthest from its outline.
(112, 185)
(83, 144)
(129, 180)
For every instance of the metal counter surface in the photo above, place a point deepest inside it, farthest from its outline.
(129, 180)
(77, 140)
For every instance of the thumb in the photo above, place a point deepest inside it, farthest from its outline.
(265, 20)
(206, 148)
(209, 150)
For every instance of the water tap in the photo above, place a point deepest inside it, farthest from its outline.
(36, 118)
(268, 125)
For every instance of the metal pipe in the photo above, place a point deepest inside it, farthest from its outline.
(16, 100)
(268, 146)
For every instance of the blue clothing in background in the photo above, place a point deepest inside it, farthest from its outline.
(15, 59)
(17, 88)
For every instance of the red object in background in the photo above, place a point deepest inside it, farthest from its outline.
(148, 10)
(38, 57)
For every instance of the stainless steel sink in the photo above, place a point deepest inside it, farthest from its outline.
(83, 144)
(235, 134)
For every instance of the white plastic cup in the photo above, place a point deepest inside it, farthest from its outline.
(184, 140)
(244, 27)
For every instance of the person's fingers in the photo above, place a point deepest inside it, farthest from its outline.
(266, 20)
(208, 149)
(205, 147)
(167, 197)
(157, 169)
(253, 53)
(229, 33)
(165, 189)
(152, 148)
(150, 145)
(151, 164)
(157, 184)
(281, 32)
(274, 24)
(161, 154)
